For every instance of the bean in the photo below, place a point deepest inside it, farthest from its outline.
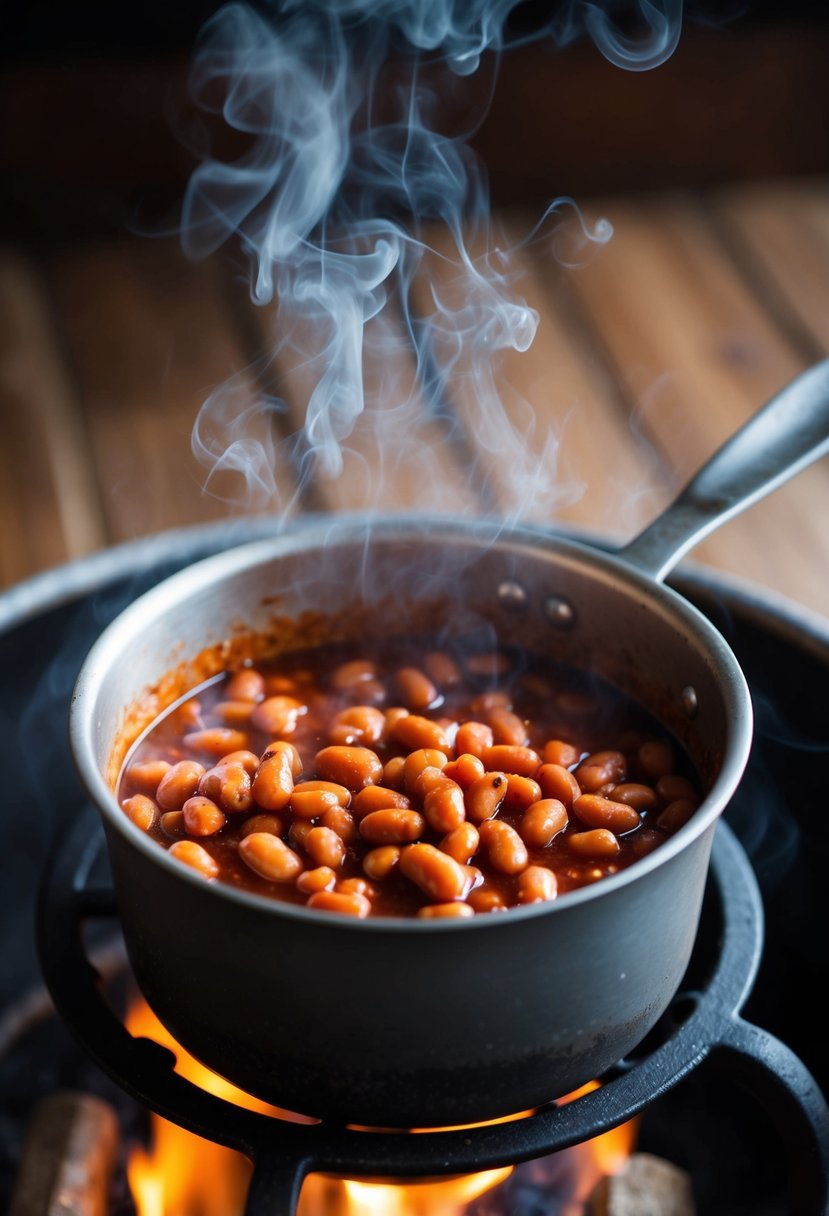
(466, 769)
(442, 668)
(270, 857)
(229, 785)
(172, 824)
(358, 886)
(354, 672)
(487, 664)
(379, 863)
(393, 772)
(416, 733)
(178, 784)
(298, 832)
(491, 700)
(416, 689)
(141, 810)
(245, 685)
(676, 814)
(262, 823)
(484, 796)
(557, 782)
(461, 843)
(598, 843)
(280, 747)
(342, 822)
(320, 879)
(452, 911)
(342, 902)
(486, 899)
(277, 716)
(645, 841)
(281, 686)
(437, 874)
(474, 737)
(392, 826)
(325, 847)
(274, 782)
(216, 741)
(443, 807)
(672, 787)
(510, 758)
(537, 884)
(353, 767)
(311, 804)
(656, 758)
(507, 727)
(378, 798)
(507, 851)
(542, 822)
(194, 856)
(599, 768)
(248, 760)
(599, 812)
(427, 779)
(234, 713)
(359, 724)
(147, 775)
(522, 792)
(417, 761)
(556, 751)
(642, 797)
(370, 692)
(341, 795)
(393, 715)
(188, 715)
(202, 817)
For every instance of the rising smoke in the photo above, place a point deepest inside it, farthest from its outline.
(344, 179)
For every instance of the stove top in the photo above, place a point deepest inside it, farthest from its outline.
(777, 819)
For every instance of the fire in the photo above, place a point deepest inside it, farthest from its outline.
(184, 1175)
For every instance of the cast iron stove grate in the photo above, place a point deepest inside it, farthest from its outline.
(703, 1021)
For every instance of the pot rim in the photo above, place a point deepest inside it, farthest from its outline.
(310, 529)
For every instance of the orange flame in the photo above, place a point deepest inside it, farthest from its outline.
(184, 1175)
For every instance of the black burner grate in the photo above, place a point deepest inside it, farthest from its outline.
(702, 1021)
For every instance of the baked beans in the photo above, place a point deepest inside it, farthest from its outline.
(405, 780)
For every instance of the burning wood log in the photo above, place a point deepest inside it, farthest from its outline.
(646, 1186)
(68, 1158)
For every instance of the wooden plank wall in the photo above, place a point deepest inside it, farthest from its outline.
(699, 308)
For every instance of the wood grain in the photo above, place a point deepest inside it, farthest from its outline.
(149, 344)
(779, 235)
(698, 353)
(650, 351)
(48, 486)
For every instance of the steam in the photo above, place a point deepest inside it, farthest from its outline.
(343, 179)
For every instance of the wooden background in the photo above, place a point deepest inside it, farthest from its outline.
(712, 293)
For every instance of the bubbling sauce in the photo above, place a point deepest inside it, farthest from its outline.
(407, 779)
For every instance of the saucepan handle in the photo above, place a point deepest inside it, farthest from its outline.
(787, 434)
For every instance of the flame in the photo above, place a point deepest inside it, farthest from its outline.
(184, 1175)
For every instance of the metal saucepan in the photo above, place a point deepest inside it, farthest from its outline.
(404, 1022)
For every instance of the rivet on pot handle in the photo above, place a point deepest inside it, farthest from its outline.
(781, 439)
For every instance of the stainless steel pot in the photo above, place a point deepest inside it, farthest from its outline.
(404, 1022)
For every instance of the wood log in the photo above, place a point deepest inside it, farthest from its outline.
(647, 1186)
(68, 1158)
